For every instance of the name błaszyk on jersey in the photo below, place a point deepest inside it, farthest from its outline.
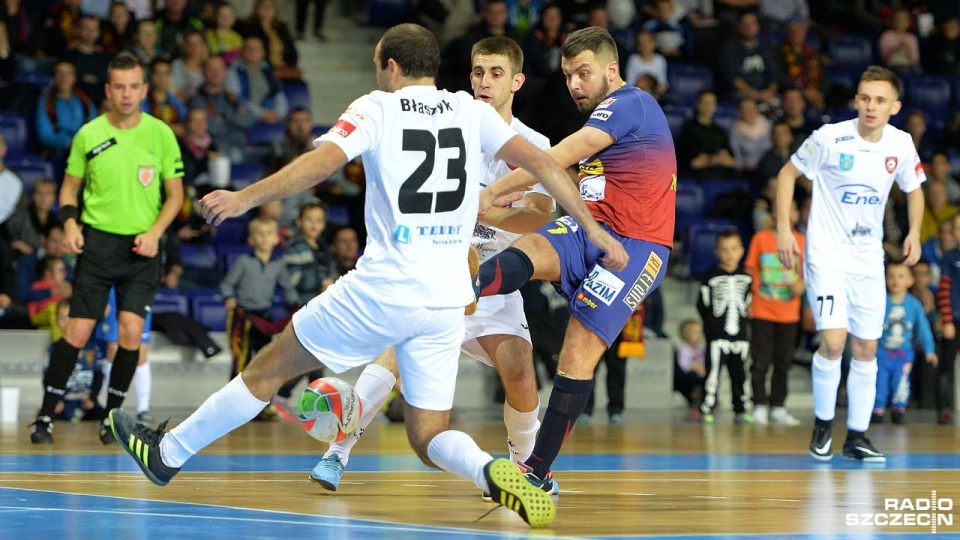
(412, 105)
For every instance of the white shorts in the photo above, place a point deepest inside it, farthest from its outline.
(346, 327)
(496, 315)
(855, 302)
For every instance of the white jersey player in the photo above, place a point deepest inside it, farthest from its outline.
(852, 165)
(422, 150)
(497, 334)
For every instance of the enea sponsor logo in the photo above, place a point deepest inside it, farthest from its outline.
(859, 194)
(603, 285)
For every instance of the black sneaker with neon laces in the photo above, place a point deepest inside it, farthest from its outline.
(860, 448)
(509, 488)
(143, 444)
(41, 430)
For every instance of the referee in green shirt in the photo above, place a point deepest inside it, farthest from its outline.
(123, 159)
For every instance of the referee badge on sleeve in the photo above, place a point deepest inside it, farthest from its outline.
(145, 174)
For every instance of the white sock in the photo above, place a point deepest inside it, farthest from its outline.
(455, 452)
(229, 408)
(373, 387)
(143, 381)
(522, 430)
(826, 380)
(106, 369)
(861, 393)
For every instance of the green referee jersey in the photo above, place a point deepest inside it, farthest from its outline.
(124, 171)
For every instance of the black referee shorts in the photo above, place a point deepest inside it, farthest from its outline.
(108, 260)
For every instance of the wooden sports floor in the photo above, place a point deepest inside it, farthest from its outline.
(657, 476)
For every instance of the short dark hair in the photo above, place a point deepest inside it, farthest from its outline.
(501, 46)
(591, 38)
(311, 205)
(123, 62)
(726, 234)
(880, 73)
(162, 59)
(49, 262)
(413, 48)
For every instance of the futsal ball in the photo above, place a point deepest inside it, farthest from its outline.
(329, 410)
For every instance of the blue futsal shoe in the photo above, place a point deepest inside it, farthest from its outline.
(327, 473)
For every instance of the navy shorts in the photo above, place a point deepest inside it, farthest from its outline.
(600, 298)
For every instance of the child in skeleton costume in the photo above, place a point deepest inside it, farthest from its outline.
(722, 303)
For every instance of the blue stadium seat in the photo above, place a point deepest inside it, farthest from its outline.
(338, 215)
(264, 134)
(229, 253)
(954, 158)
(31, 169)
(34, 78)
(676, 116)
(690, 205)
(231, 231)
(386, 12)
(244, 174)
(714, 187)
(170, 301)
(701, 242)
(199, 256)
(210, 312)
(14, 129)
(298, 94)
(726, 115)
(847, 78)
(929, 94)
(851, 52)
(319, 130)
(686, 81)
(278, 311)
(955, 84)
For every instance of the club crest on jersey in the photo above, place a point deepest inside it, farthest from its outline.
(891, 164)
(846, 162)
(145, 174)
(606, 103)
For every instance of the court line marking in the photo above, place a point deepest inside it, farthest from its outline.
(354, 523)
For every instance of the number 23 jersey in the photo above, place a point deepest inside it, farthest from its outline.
(421, 149)
(851, 184)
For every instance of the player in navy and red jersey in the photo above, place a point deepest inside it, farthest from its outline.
(628, 180)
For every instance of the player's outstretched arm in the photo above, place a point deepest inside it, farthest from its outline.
(554, 178)
(787, 247)
(304, 172)
(534, 214)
